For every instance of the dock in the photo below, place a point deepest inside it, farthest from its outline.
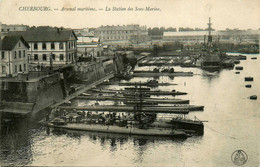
(82, 90)
(174, 110)
(125, 99)
(145, 84)
(137, 84)
(157, 74)
(178, 108)
(152, 92)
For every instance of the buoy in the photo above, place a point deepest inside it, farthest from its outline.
(239, 68)
(253, 97)
(248, 86)
(249, 79)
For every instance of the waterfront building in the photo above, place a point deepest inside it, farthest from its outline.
(192, 37)
(13, 55)
(58, 46)
(187, 36)
(88, 45)
(84, 32)
(240, 36)
(5, 28)
(133, 33)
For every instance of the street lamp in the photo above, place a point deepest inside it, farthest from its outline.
(51, 63)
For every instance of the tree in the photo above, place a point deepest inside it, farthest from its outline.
(171, 29)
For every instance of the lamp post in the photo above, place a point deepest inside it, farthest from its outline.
(51, 63)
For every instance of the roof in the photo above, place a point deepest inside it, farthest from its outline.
(45, 35)
(85, 34)
(9, 42)
(87, 40)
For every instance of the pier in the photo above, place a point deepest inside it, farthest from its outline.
(151, 92)
(82, 90)
(175, 110)
(157, 74)
(125, 99)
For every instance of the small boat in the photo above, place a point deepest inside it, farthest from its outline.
(152, 82)
(187, 124)
(253, 58)
(85, 94)
(242, 57)
(249, 79)
(248, 86)
(236, 61)
(253, 97)
(136, 89)
(67, 102)
(239, 68)
(58, 121)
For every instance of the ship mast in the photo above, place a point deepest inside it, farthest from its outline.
(209, 37)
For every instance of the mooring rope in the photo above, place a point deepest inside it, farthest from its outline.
(220, 132)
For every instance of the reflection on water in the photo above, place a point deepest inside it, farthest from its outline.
(233, 123)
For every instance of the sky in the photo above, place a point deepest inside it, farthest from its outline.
(242, 14)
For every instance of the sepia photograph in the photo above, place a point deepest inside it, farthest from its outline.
(130, 83)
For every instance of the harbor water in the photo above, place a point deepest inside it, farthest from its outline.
(233, 124)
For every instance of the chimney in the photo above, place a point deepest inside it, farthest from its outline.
(58, 31)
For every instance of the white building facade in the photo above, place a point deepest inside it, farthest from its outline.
(134, 33)
(13, 55)
(56, 47)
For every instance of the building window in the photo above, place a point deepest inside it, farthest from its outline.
(53, 56)
(23, 53)
(15, 68)
(20, 54)
(3, 55)
(52, 45)
(24, 67)
(61, 45)
(61, 57)
(35, 46)
(15, 56)
(3, 69)
(44, 57)
(43, 46)
(35, 56)
(19, 44)
(20, 67)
